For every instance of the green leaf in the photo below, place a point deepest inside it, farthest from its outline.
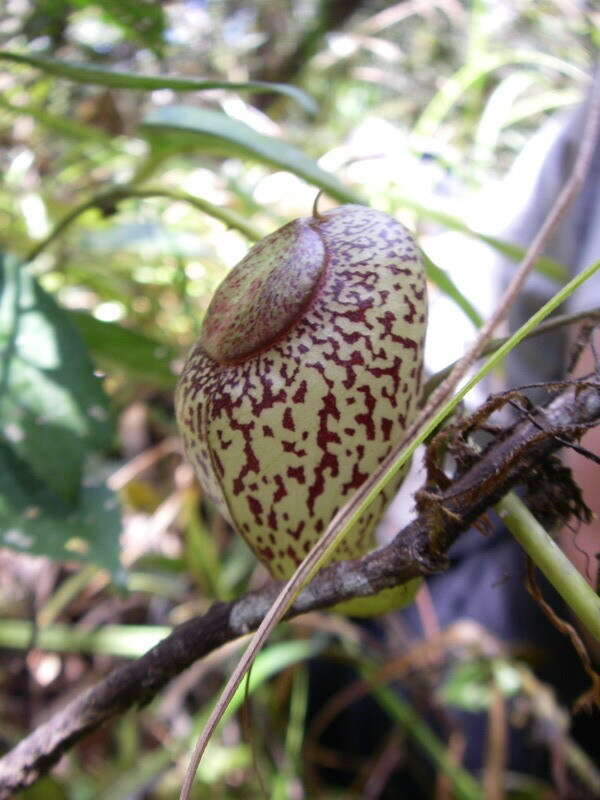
(35, 520)
(470, 73)
(468, 686)
(53, 413)
(139, 19)
(90, 74)
(139, 356)
(444, 282)
(53, 410)
(122, 641)
(178, 128)
(65, 126)
(546, 266)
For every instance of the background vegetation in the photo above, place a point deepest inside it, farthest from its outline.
(129, 193)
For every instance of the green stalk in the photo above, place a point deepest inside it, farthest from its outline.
(547, 555)
(118, 193)
(464, 786)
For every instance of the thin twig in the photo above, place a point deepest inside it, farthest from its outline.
(109, 197)
(329, 540)
(140, 463)
(551, 324)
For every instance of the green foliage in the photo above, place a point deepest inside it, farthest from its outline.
(128, 352)
(139, 20)
(470, 685)
(135, 185)
(178, 129)
(54, 414)
(92, 75)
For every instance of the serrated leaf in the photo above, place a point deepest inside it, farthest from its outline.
(53, 410)
(90, 74)
(117, 347)
(179, 128)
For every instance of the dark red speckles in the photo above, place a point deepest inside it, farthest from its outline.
(223, 443)
(281, 490)
(255, 508)
(328, 460)
(329, 409)
(355, 481)
(300, 394)
(268, 399)
(410, 314)
(386, 428)
(296, 532)
(297, 473)
(388, 320)
(265, 554)
(290, 447)
(251, 464)
(362, 329)
(393, 371)
(366, 419)
(288, 421)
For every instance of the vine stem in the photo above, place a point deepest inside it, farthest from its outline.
(437, 409)
(550, 559)
(115, 194)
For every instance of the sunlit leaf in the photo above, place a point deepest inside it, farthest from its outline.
(53, 410)
(116, 347)
(53, 413)
(546, 266)
(35, 520)
(90, 74)
(181, 128)
(445, 284)
(469, 74)
(65, 126)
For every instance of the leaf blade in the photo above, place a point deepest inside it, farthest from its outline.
(101, 76)
(186, 127)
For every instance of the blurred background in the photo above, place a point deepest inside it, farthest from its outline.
(130, 200)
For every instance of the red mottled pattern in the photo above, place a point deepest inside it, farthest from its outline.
(314, 400)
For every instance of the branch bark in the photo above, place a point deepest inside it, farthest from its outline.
(412, 553)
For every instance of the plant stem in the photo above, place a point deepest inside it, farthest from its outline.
(115, 195)
(558, 321)
(551, 560)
